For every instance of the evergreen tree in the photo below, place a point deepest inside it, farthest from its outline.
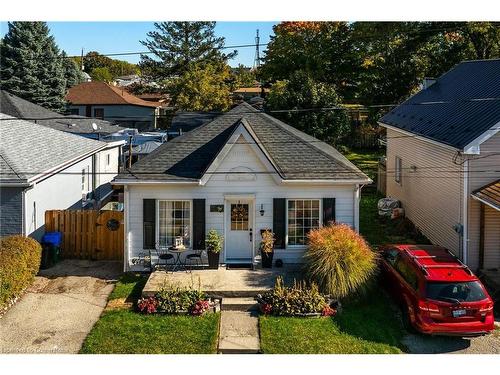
(31, 66)
(72, 72)
(176, 46)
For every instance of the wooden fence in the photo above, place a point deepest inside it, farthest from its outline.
(88, 234)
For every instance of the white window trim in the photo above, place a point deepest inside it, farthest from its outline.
(398, 170)
(157, 209)
(301, 247)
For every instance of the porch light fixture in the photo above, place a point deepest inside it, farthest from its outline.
(262, 210)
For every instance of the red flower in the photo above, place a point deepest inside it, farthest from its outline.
(266, 308)
(328, 311)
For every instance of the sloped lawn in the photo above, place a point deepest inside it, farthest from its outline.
(124, 331)
(121, 330)
(367, 327)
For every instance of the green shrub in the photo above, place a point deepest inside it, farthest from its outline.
(295, 300)
(173, 299)
(19, 263)
(339, 260)
(213, 242)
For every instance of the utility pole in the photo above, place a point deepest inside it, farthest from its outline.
(81, 61)
(256, 63)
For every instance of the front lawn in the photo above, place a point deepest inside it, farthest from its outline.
(125, 331)
(121, 329)
(366, 327)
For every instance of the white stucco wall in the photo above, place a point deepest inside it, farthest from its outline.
(262, 186)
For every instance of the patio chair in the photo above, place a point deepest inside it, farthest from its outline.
(163, 257)
(194, 258)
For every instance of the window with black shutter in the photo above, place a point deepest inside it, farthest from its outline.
(328, 211)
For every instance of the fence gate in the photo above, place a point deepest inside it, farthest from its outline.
(88, 234)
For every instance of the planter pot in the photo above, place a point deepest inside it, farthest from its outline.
(267, 259)
(213, 260)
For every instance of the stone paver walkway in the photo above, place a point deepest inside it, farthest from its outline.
(239, 333)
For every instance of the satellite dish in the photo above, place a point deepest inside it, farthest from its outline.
(94, 126)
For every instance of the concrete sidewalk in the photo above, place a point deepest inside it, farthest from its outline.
(59, 309)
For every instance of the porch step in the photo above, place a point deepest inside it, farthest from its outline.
(239, 333)
(235, 293)
(239, 304)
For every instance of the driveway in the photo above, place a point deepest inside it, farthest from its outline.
(420, 344)
(59, 309)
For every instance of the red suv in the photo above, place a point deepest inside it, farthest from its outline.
(438, 294)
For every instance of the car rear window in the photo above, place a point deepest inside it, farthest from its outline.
(459, 291)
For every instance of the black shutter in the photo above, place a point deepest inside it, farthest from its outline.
(199, 224)
(279, 222)
(149, 223)
(328, 211)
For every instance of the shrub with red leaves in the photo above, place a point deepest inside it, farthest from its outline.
(328, 311)
(200, 307)
(266, 308)
(148, 305)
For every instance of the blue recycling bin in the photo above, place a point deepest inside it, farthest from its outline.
(51, 241)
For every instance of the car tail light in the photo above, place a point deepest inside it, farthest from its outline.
(486, 308)
(428, 307)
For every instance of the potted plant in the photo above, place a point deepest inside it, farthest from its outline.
(267, 247)
(213, 243)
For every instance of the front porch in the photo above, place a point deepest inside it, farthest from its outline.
(224, 282)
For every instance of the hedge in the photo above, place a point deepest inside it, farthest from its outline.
(19, 263)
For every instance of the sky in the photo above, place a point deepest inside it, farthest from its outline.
(118, 37)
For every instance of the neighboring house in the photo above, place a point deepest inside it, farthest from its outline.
(15, 106)
(184, 122)
(107, 160)
(43, 169)
(111, 103)
(140, 151)
(243, 172)
(443, 161)
(247, 93)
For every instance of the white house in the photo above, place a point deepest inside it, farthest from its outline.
(44, 169)
(240, 173)
(443, 161)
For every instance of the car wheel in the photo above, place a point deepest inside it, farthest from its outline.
(405, 317)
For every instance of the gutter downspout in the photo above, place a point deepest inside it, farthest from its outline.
(126, 249)
(465, 208)
(357, 198)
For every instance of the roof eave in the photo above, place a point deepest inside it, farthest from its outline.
(416, 136)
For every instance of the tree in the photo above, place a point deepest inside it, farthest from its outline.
(109, 68)
(301, 91)
(244, 77)
(31, 66)
(176, 46)
(324, 50)
(101, 74)
(72, 72)
(202, 88)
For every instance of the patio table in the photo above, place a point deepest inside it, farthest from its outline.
(178, 262)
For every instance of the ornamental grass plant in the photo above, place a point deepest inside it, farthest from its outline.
(339, 260)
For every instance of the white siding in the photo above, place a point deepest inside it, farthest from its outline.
(432, 194)
(263, 187)
(106, 172)
(60, 191)
(483, 169)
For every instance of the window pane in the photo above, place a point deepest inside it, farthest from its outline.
(239, 216)
(174, 221)
(303, 215)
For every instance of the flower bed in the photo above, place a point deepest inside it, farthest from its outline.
(298, 300)
(178, 300)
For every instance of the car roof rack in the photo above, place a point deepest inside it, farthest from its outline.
(424, 267)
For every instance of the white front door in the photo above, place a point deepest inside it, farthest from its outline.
(239, 231)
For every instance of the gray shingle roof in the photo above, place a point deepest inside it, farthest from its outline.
(17, 107)
(460, 106)
(28, 149)
(294, 154)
